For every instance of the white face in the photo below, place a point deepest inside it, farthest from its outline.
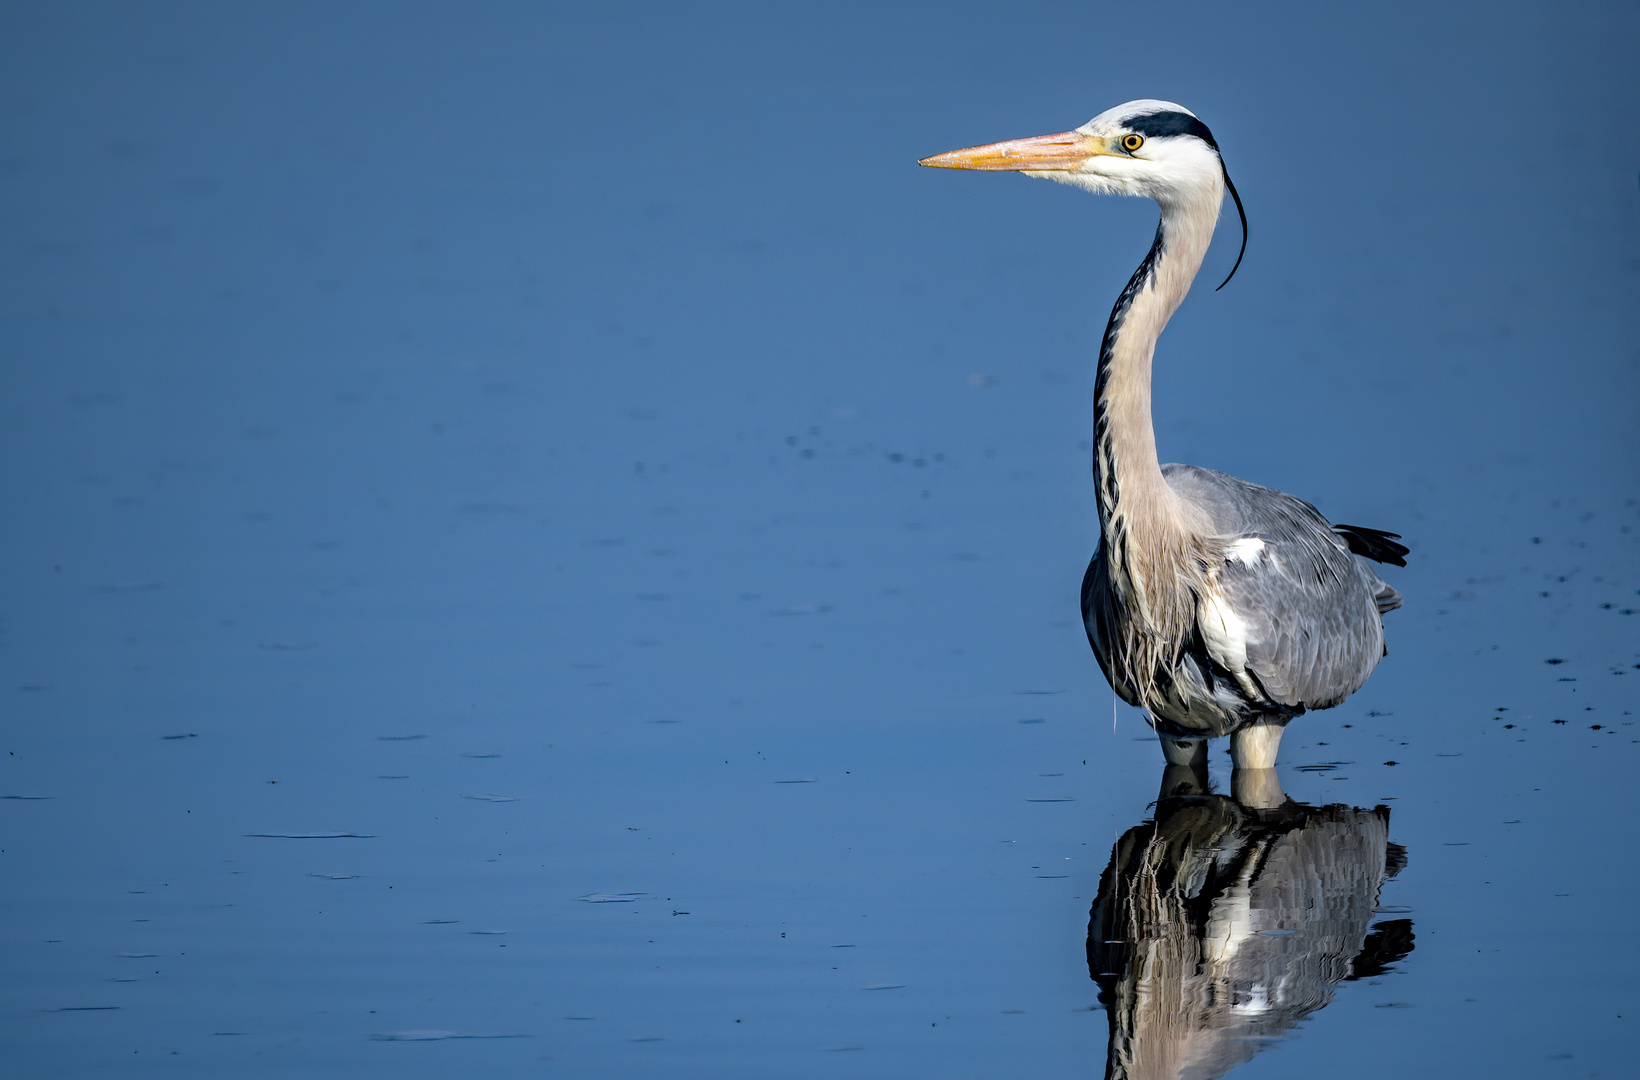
(1152, 148)
(1139, 155)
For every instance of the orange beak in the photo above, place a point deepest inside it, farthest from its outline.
(1043, 153)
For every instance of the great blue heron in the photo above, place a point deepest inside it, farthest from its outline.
(1218, 606)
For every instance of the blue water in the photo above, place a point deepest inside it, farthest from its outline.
(573, 451)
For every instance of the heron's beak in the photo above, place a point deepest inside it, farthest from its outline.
(1043, 153)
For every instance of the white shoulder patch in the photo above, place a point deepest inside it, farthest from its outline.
(1224, 633)
(1247, 550)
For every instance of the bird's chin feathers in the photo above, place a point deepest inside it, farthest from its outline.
(1178, 175)
(1098, 184)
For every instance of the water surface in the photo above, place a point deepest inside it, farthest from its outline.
(537, 540)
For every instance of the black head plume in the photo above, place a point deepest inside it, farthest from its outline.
(1243, 214)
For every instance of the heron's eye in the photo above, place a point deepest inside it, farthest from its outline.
(1130, 143)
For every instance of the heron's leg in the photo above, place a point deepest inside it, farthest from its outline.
(1255, 746)
(1184, 751)
(1257, 789)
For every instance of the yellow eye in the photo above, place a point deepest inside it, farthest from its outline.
(1130, 143)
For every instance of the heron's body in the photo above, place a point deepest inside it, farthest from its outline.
(1218, 606)
(1283, 618)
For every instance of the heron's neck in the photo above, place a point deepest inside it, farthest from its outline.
(1126, 470)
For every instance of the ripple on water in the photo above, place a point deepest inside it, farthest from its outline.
(313, 835)
(435, 1035)
(81, 1008)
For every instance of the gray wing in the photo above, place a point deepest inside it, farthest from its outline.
(1310, 607)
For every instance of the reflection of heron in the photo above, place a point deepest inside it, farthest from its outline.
(1217, 605)
(1227, 921)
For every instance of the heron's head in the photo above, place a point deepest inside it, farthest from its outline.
(1147, 147)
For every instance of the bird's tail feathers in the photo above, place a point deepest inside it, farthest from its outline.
(1374, 544)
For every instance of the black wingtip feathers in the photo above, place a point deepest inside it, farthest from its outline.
(1374, 544)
